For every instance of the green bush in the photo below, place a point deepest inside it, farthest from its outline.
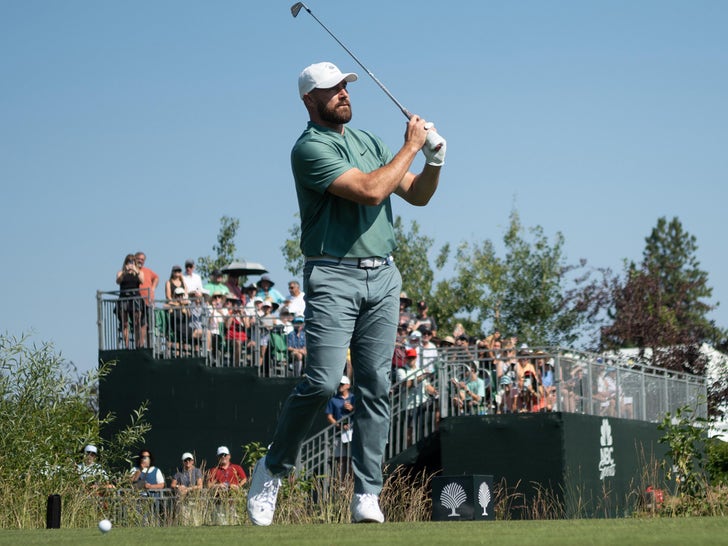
(48, 414)
(717, 465)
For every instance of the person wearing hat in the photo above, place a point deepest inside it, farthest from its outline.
(414, 391)
(237, 327)
(90, 470)
(423, 320)
(406, 318)
(344, 179)
(174, 282)
(296, 341)
(266, 291)
(193, 281)
(226, 475)
(470, 395)
(189, 477)
(340, 406)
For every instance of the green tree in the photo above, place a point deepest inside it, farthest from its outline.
(411, 257)
(48, 417)
(531, 291)
(224, 249)
(291, 250)
(663, 302)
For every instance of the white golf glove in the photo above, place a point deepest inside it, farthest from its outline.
(434, 148)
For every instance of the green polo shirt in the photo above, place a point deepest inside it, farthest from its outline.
(330, 224)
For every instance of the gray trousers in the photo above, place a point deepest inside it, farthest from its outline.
(346, 307)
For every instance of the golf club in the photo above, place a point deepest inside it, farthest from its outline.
(296, 8)
(434, 140)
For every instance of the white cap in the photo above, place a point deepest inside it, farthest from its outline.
(90, 449)
(344, 380)
(322, 76)
(223, 450)
(187, 455)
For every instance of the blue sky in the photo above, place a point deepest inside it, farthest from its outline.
(137, 125)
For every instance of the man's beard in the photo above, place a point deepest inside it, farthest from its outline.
(333, 115)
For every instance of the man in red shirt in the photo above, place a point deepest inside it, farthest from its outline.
(146, 289)
(226, 474)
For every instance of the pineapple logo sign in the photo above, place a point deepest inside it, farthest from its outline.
(607, 466)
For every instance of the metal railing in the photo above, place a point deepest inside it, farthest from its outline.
(223, 337)
(165, 507)
(577, 382)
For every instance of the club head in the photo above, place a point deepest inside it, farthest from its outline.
(295, 8)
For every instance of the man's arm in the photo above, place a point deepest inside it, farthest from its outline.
(374, 187)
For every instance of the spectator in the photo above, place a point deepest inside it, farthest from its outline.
(428, 352)
(90, 470)
(175, 281)
(470, 395)
(507, 385)
(462, 349)
(527, 378)
(286, 320)
(145, 476)
(414, 391)
(146, 289)
(492, 344)
(406, 318)
(192, 280)
(606, 393)
(200, 322)
(236, 330)
(296, 302)
(189, 478)
(250, 292)
(226, 475)
(414, 341)
(424, 321)
(339, 406)
(296, 342)
(574, 389)
(130, 306)
(223, 479)
(216, 285)
(547, 388)
(233, 285)
(400, 348)
(180, 333)
(218, 324)
(267, 293)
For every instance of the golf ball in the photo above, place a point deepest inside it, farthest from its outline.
(104, 526)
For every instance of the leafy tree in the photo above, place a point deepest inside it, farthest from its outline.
(662, 303)
(291, 250)
(530, 292)
(411, 258)
(47, 419)
(225, 248)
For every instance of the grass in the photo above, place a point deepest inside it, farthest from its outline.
(662, 531)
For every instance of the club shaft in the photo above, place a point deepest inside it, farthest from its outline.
(404, 110)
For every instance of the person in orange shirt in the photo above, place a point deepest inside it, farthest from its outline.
(146, 289)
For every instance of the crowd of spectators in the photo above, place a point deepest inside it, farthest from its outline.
(256, 325)
(233, 323)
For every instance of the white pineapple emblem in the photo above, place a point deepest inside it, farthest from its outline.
(484, 497)
(452, 496)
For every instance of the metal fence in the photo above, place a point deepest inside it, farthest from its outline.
(565, 380)
(226, 336)
(165, 507)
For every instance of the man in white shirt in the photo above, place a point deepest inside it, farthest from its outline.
(192, 280)
(296, 303)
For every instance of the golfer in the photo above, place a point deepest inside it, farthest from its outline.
(344, 179)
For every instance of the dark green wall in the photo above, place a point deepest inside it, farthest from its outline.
(193, 407)
(557, 451)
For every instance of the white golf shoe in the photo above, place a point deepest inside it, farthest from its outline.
(262, 494)
(365, 509)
